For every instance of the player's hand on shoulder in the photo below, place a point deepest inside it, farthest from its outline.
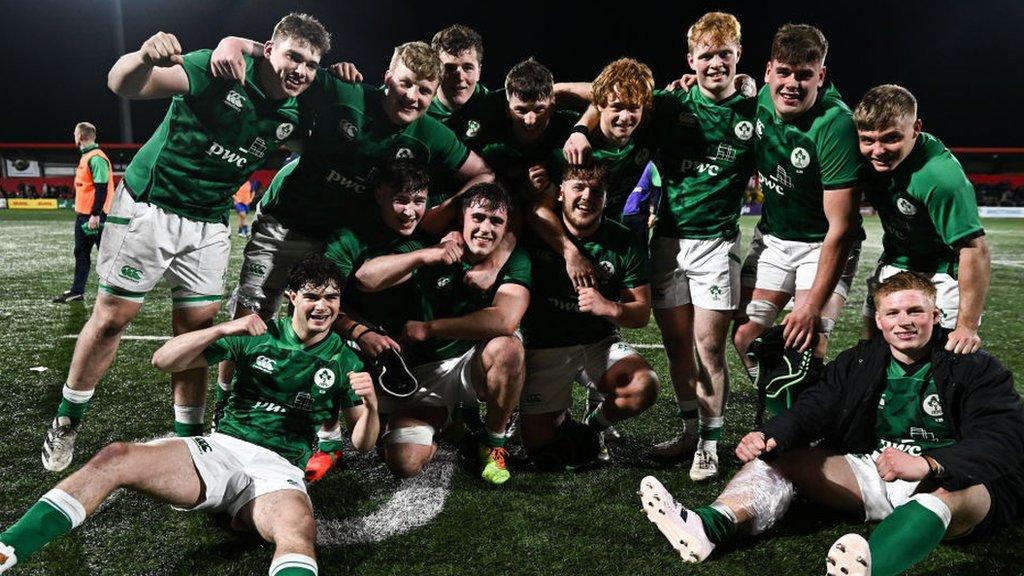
(753, 445)
(895, 464)
(577, 149)
(161, 49)
(745, 85)
(347, 71)
(250, 324)
(227, 62)
(362, 385)
(684, 82)
(580, 269)
(447, 251)
(963, 340)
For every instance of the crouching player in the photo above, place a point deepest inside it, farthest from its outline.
(929, 444)
(293, 374)
(568, 330)
(463, 345)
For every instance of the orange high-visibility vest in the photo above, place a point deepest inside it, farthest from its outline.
(85, 188)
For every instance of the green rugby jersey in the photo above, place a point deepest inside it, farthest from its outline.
(553, 319)
(474, 120)
(283, 391)
(368, 238)
(926, 206)
(797, 160)
(910, 415)
(443, 293)
(706, 159)
(352, 135)
(211, 140)
(511, 160)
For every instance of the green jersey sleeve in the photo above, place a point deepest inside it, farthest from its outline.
(100, 170)
(953, 208)
(348, 362)
(343, 248)
(517, 270)
(838, 152)
(228, 347)
(445, 148)
(197, 68)
(635, 273)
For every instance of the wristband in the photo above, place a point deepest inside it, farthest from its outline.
(580, 129)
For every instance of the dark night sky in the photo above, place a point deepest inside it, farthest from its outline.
(56, 53)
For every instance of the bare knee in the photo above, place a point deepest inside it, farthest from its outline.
(504, 353)
(640, 393)
(406, 460)
(110, 460)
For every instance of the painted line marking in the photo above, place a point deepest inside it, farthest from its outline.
(129, 337)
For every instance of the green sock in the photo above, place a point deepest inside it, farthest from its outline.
(74, 403)
(597, 420)
(295, 571)
(183, 430)
(909, 534)
(711, 428)
(52, 516)
(718, 525)
(493, 439)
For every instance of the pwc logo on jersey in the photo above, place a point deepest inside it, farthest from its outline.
(264, 364)
(743, 130)
(218, 151)
(800, 158)
(324, 378)
(234, 99)
(335, 177)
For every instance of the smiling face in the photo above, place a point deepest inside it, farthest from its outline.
(886, 149)
(794, 87)
(715, 66)
(401, 211)
(582, 205)
(483, 228)
(906, 319)
(316, 309)
(406, 95)
(530, 118)
(619, 119)
(292, 66)
(460, 76)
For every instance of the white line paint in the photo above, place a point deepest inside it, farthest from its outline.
(129, 337)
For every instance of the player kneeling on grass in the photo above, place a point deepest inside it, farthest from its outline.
(928, 443)
(462, 345)
(569, 330)
(293, 374)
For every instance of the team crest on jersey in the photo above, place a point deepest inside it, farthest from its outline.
(234, 99)
(444, 282)
(932, 406)
(906, 207)
(642, 156)
(324, 378)
(744, 130)
(404, 153)
(472, 128)
(800, 158)
(605, 269)
(264, 364)
(284, 130)
(348, 129)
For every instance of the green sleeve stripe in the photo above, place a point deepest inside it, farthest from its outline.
(118, 220)
(120, 291)
(841, 185)
(213, 298)
(523, 283)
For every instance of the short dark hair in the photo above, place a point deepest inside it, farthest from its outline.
(594, 173)
(305, 28)
(401, 175)
(314, 270)
(530, 81)
(799, 44)
(489, 195)
(456, 39)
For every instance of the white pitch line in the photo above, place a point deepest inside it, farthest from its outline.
(129, 337)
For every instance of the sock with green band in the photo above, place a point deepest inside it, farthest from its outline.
(188, 420)
(597, 420)
(710, 432)
(74, 403)
(909, 534)
(718, 520)
(54, 515)
(492, 439)
(293, 565)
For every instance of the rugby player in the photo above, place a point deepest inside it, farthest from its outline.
(807, 241)
(928, 210)
(568, 330)
(463, 346)
(928, 443)
(293, 374)
(169, 216)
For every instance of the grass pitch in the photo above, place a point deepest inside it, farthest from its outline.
(447, 522)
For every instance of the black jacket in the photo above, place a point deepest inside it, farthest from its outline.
(976, 392)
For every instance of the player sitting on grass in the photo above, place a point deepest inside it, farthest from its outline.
(293, 374)
(928, 443)
(463, 344)
(928, 211)
(569, 330)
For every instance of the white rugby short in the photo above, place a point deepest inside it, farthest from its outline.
(705, 273)
(880, 497)
(236, 472)
(445, 383)
(788, 266)
(269, 255)
(947, 296)
(551, 372)
(142, 242)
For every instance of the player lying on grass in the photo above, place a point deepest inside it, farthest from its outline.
(463, 344)
(568, 330)
(928, 210)
(169, 216)
(293, 374)
(928, 443)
